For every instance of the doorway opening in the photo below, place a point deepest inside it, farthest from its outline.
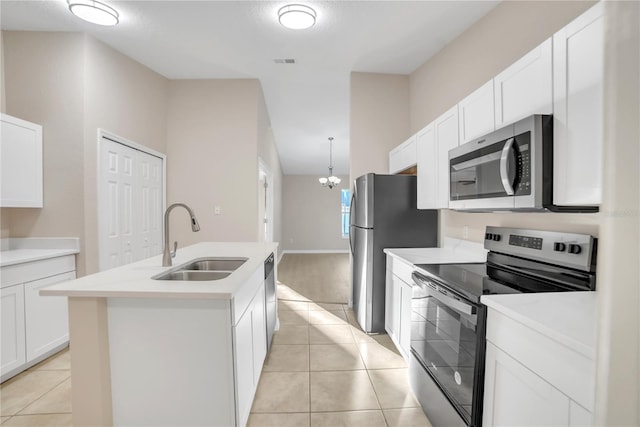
(265, 202)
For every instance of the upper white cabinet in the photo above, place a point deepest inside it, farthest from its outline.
(20, 163)
(434, 143)
(476, 113)
(578, 62)
(403, 156)
(525, 87)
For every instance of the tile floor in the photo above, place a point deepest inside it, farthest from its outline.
(322, 370)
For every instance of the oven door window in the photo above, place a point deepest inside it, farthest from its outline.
(445, 340)
(499, 170)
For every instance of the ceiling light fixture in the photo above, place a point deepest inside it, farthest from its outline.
(94, 12)
(297, 16)
(332, 180)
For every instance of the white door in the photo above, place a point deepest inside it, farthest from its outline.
(265, 202)
(130, 204)
(476, 113)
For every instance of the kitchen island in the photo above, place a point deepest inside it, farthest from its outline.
(168, 352)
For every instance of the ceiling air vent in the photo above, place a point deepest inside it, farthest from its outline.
(285, 61)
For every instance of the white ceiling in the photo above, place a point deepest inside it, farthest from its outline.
(307, 101)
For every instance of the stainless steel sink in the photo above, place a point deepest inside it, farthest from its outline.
(193, 275)
(216, 264)
(203, 269)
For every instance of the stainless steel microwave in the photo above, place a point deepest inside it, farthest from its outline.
(508, 169)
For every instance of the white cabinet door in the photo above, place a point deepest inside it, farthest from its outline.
(578, 63)
(390, 325)
(259, 331)
(427, 168)
(405, 319)
(514, 395)
(13, 330)
(525, 87)
(476, 113)
(20, 163)
(47, 319)
(243, 352)
(403, 156)
(446, 130)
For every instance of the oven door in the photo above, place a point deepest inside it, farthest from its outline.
(448, 339)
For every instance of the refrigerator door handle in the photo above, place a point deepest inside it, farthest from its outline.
(351, 239)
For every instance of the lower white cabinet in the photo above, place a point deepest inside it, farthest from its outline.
(398, 304)
(250, 351)
(33, 326)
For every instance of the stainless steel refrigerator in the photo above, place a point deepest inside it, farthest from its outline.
(383, 214)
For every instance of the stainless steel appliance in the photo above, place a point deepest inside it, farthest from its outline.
(383, 214)
(270, 297)
(448, 320)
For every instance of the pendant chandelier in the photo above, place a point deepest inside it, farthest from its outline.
(332, 180)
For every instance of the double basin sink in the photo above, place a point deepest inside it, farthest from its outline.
(203, 269)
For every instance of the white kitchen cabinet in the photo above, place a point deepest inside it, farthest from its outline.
(427, 168)
(13, 329)
(434, 143)
(47, 318)
(403, 156)
(525, 87)
(20, 163)
(476, 113)
(36, 326)
(398, 304)
(514, 395)
(578, 64)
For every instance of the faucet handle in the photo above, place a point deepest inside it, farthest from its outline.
(175, 249)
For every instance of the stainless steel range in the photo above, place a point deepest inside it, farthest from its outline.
(448, 321)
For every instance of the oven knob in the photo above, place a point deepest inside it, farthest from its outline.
(496, 237)
(488, 236)
(574, 249)
(559, 247)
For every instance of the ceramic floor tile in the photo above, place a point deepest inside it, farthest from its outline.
(284, 305)
(321, 317)
(44, 420)
(57, 401)
(348, 419)
(287, 358)
(406, 417)
(342, 391)
(376, 356)
(25, 388)
(3, 419)
(293, 317)
(282, 392)
(59, 361)
(330, 334)
(360, 336)
(286, 293)
(351, 317)
(279, 420)
(392, 388)
(291, 334)
(335, 357)
(325, 307)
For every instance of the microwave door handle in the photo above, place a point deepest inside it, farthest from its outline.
(504, 163)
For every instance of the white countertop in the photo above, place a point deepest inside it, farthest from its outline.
(567, 317)
(134, 280)
(21, 250)
(454, 251)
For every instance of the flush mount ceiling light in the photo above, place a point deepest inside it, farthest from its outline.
(297, 16)
(332, 180)
(94, 12)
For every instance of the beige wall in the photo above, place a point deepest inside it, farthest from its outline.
(379, 120)
(44, 82)
(125, 98)
(268, 152)
(312, 219)
(213, 158)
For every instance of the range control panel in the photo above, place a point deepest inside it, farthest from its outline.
(567, 249)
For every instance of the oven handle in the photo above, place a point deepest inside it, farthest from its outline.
(504, 162)
(442, 295)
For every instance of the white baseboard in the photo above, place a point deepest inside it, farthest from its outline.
(316, 251)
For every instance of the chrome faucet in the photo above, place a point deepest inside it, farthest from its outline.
(167, 253)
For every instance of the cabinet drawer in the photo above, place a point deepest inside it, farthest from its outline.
(571, 372)
(29, 271)
(402, 270)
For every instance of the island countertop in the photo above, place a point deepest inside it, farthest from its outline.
(134, 280)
